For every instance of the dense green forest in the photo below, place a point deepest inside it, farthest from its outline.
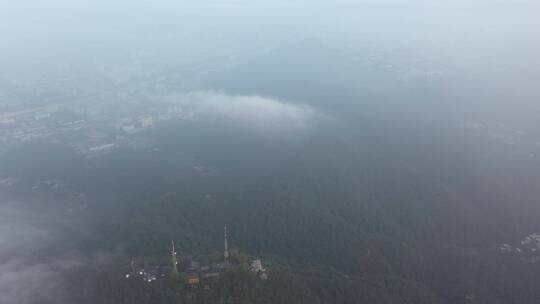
(358, 224)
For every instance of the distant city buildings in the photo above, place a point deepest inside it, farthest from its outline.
(146, 122)
(78, 123)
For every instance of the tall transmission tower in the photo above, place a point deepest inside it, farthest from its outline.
(132, 266)
(173, 257)
(226, 252)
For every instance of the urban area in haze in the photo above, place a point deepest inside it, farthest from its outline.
(235, 151)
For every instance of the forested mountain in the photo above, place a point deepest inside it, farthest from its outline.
(340, 220)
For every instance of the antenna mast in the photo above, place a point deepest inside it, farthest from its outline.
(174, 261)
(226, 252)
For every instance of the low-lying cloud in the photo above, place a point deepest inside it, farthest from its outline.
(26, 281)
(32, 264)
(255, 112)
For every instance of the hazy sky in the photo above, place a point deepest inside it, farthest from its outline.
(46, 42)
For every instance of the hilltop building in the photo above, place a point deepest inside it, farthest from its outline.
(193, 278)
(257, 268)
